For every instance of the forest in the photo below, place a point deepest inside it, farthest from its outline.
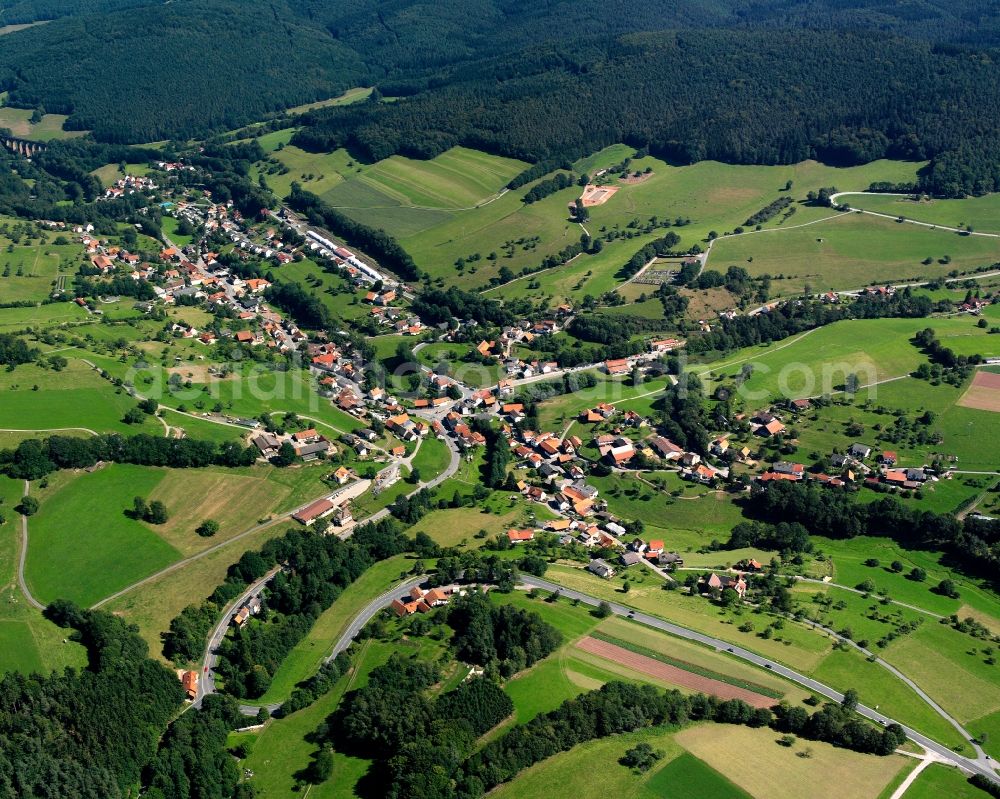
(95, 733)
(972, 544)
(875, 79)
(683, 96)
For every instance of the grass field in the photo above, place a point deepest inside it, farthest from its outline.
(707, 759)
(249, 392)
(341, 299)
(688, 776)
(170, 229)
(938, 780)
(109, 173)
(355, 95)
(714, 196)
(18, 120)
(83, 547)
(951, 668)
(877, 687)
(74, 397)
(979, 213)
(848, 558)
(591, 770)
(16, 319)
(28, 642)
(818, 361)
(29, 269)
(236, 498)
(456, 527)
(850, 251)
(709, 513)
(401, 194)
(828, 773)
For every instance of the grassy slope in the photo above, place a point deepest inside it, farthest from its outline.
(938, 780)
(980, 213)
(303, 661)
(18, 120)
(74, 397)
(28, 643)
(83, 547)
(714, 196)
(841, 773)
(850, 251)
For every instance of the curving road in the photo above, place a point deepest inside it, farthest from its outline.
(369, 612)
(206, 683)
(980, 765)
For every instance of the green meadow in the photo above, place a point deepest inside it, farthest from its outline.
(83, 546)
(819, 361)
(28, 642)
(13, 320)
(713, 196)
(170, 228)
(978, 213)
(30, 271)
(851, 250)
(73, 397)
(18, 121)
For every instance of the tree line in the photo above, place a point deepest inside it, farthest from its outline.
(550, 103)
(34, 458)
(791, 318)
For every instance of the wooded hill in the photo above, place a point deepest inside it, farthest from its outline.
(728, 95)
(691, 79)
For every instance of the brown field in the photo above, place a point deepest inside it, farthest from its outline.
(761, 767)
(597, 195)
(671, 674)
(198, 373)
(984, 393)
(632, 180)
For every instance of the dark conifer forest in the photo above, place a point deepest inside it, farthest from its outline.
(768, 82)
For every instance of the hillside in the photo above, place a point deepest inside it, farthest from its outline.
(684, 96)
(209, 65)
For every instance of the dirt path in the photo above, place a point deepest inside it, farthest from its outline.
(22, 557)
(671, 674)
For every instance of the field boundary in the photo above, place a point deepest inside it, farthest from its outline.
(659, 670)
(684, 665)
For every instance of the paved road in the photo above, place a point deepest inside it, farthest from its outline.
(22, 556)
(369, 612)
(453, 464)
(206, 682)
(980, 765)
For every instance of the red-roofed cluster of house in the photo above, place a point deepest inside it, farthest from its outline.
(421, 600)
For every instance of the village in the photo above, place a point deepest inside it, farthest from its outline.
(551, 468)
